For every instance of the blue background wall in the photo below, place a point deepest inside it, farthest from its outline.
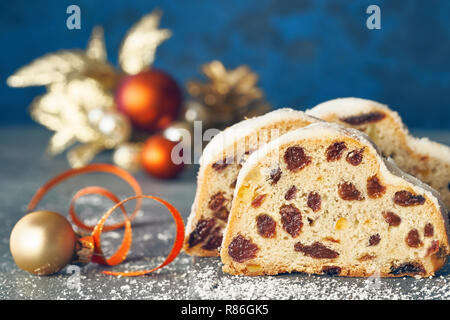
(305, 51)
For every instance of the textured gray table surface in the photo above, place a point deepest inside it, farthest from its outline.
(24, 167)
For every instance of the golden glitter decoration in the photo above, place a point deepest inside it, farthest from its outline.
(229, 95)
(140, 43)
(79, 103)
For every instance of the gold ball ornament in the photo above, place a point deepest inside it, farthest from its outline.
(42, 242)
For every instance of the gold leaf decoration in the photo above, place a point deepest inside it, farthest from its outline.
(138, 48)
(96, 48)
(57, 67)
(229, 95)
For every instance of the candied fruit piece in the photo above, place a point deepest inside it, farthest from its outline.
(259, 199)
(366, 257)
(291, 218)
(290, 194)
(413, 239)
(391, 218)
(374, 239)
(296, 159)
(314, 201)
(348, 191)
(331, 239)
(253, 268)
(355, 157)
(316, 250)
(335, 151)
(428, 230)
(405, 199)
(341, 224)
(242, 249)
(374, 188)
(266, 226)
(364, 118)
(201, 231)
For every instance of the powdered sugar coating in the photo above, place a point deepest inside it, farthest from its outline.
(352, 106)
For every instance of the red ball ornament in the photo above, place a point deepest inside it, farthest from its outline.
(156, 157)
(151, 99)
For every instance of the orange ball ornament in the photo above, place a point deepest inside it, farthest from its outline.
(156, 158)
(151, 99)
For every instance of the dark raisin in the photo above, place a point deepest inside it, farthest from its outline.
(290, 194)
(316, 250)
(364, 118)
(222, 164)
(296, 159)
(201, 231)
(442, 252)
(374, 239)
(448, 186)
(266, 226)
(335, 151)
(391, 218)
(222, 214)
(242, 249)
(331, 271)
(413, 239)
(374, 188)
(256, 203)
(405, 199)
(428, 230)
(408, 268)
(355, 157)
(291, 218)
(348, 191)
(314, 201)
(434, 247)
(214, 241)
(275, 175)
(217, 202)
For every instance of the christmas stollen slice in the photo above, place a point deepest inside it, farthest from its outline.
(427, 160)
(338, 208)
(219, 167)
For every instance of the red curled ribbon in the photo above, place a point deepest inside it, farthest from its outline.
(95, 237)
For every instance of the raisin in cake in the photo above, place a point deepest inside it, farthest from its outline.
(219, 166)
(338, 208)
(427, 160)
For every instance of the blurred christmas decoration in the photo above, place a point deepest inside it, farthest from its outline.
(151, 99)
(92, 106)
(157, 157)
(128, 156)
(227, 97)
(84, 90)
